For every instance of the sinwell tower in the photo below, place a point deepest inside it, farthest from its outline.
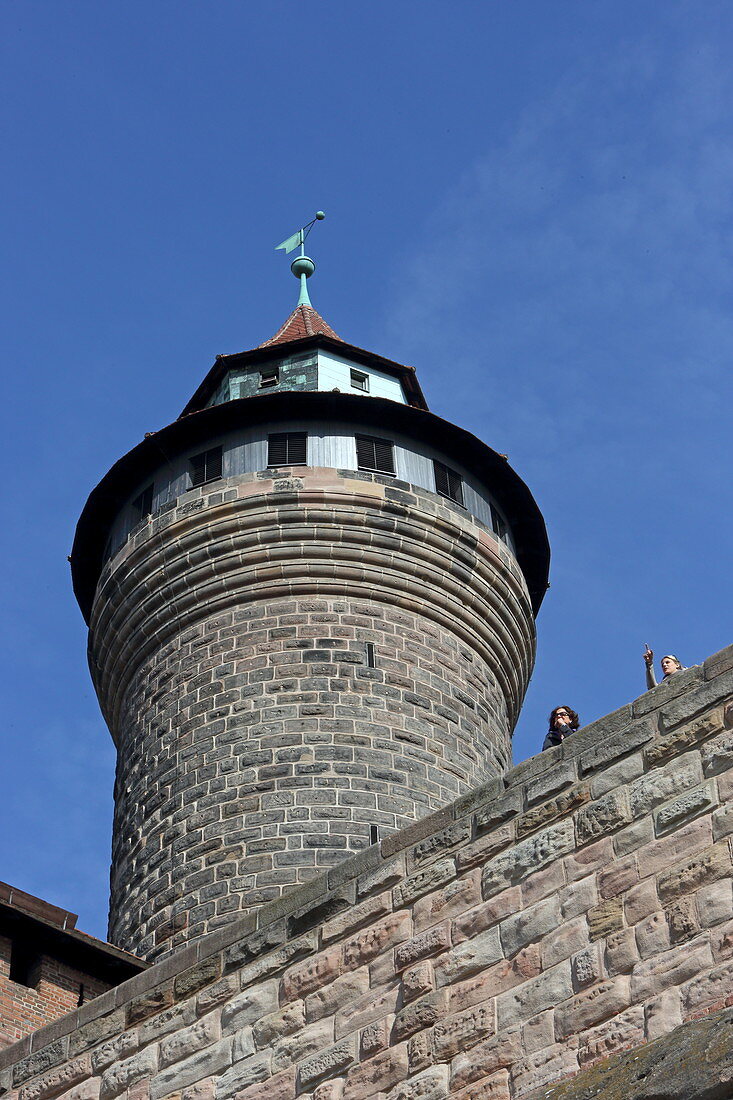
(311, 610)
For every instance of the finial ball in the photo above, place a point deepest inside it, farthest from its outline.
(302, 265)
(320, 215)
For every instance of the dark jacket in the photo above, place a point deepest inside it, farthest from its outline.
(555, 737)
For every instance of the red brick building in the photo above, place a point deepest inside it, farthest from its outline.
(47, 966)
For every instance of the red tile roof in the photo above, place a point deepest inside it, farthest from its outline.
(303, 321)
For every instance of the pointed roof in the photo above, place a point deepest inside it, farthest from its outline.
(303, 321)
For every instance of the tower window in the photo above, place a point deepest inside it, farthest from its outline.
(370, 656)
(23, 965)
(359, 381)
(142, 505)
(376, 454)
(269, 376)
(287, 449)
(206, 467)
(500, 528)
(448, 483)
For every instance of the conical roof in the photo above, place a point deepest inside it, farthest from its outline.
(303, 321)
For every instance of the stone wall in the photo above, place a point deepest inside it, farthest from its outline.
(286, 662)
(578, 907)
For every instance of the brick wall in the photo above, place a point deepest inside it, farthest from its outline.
(577, 907)
(55, 992)
(256, 744)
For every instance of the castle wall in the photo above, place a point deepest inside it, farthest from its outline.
(577, 907)
(287, 663)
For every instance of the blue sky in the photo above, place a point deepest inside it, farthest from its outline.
(530, 202)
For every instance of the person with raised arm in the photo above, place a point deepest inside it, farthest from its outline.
(670, 664)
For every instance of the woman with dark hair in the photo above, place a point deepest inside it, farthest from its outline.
(563, 722)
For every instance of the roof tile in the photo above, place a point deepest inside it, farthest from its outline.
(303, 321)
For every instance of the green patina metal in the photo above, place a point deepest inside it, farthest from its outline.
(302, 266)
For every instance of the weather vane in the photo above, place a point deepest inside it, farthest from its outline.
(302, 266)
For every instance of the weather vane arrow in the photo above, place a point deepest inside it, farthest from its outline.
(302, 266)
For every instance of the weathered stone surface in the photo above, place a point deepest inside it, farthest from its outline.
(249, 1006)
(669, 968)
(287, 1021)
(688, 805)
(530, 925)
(419, 1015)
(469, 957)
(485, 1059)
(326, 1063)
(123, 1074)
(344, 991)
(605, 918)
(194, 979)
(148, 1005)
(122, 1046)
(180, 1016)
(249, 1071)
(694, 1062)
(204, 1033)
(427, 943)
(527, 857)
(96, 1031)
(57, 1080)
(302, 1044)
(437, 874)
(603, 816)
(590, 1007)
(686, 877)
(463, 1030)
(39, 1062)
(379, 937)
(551, 810)
(378, 1074)
(311, 974)
(545, 991)
(431, 1084)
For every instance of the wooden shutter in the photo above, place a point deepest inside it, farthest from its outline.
(287, 449)
(373, 453)
(447, 482)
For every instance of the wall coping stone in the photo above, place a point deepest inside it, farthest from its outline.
(270, 928)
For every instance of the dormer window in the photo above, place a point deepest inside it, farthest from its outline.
(448, 483)
(359, 380)
(142, 505)
(500, 528)
(287, 449)
(206, 467)
(269, 376)
(375, 454)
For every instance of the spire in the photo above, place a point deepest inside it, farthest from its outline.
(303, 321)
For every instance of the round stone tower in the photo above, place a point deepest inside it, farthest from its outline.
(311, 621)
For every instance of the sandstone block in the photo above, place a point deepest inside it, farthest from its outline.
(549, 989)
(630, 736)
(617, 775)
(311, 974)
(550, 782)
(386, 933)
(715, 902)
(682, 809)
(675, 744)
(652, 934)
(585, 967)
(344, 991)
(722, 821)
(249, 1006)
(494, 1087)
(432, 942)
(148, 1005)
(540, 1069)
(621, 954)
(662, 1014)
(174, 1048)
(498, 810)
(526, 857)
(605, 918)
(419, 1015)
(619, 878)
(356, 916)
(326, 1063)
(122, 1046)
(551, 810)
(279, 1087)
(592, 1006)
(661, 784)
(372, 1006)
(496, 979)
(250, 1071)
(619, 1033)
(123, 1074)
(593, 857)
(173, 1019)
(440, 842)
(431, 1084)
(303, 1044)
(287, 1021)
(668, 969)
(538, 1032)
(50, 1055)
(484, 1060)
(682, 920)
(542, 884)
(89, 1090)
(56, 1080)
(481, 850)
(420, 1051)
(197, 977)
(200, 1065)
(641, 901)
(450, 900)
(381, 878)
(686, 877)
(634, 836)
(417, 980)
(486, 915)
(379, 1074)
(528, 926)
(96, 1031)
(710, 991)
(605, 815)
(463, 1030)
(578, 897)
(469, 957)
(431, 878)
(375, 1037)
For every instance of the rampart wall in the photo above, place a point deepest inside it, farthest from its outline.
(579, 907)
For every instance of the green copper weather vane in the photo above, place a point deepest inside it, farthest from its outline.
(302, 266)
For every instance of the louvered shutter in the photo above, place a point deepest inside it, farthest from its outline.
(287, 449)
(213, 464)
(198, 469)
(447, 482)
(297, 447)
(373, 453)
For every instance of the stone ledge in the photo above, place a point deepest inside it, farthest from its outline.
(269, 929)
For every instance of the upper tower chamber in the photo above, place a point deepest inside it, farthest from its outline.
(311, 621)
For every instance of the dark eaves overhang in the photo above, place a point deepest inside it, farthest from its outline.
(384, 416)
(225, 363)
(68, 945)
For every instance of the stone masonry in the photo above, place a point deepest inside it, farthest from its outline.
(289, 662)
(578, 907)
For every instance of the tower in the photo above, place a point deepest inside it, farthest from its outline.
(311, 615)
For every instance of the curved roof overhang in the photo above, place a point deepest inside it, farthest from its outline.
(491, 468)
